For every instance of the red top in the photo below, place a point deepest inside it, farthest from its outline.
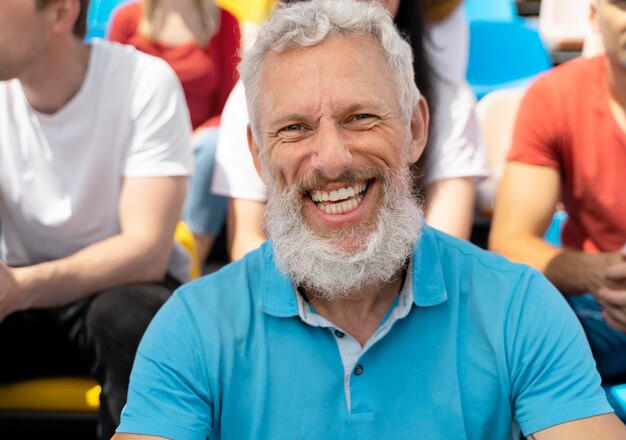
(565, 122)
(207, 74)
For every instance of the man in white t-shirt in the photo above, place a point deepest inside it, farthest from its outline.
(94, 159)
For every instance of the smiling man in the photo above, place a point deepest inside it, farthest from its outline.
(357, 320)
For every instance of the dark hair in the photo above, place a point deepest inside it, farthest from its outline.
(410, 21)
(80, 27)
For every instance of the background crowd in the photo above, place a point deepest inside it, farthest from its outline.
(89, 257)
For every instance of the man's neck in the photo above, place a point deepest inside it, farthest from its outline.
(616, 87)
(361, 313)
(57, 76)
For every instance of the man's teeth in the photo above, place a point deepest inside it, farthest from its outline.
(339, 194)
(342, 207)
(344, 199)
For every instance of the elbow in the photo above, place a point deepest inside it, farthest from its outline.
(153, 265)
(497, 240)
(493, 242)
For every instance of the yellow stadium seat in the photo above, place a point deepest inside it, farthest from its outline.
(184, 236)
(53, 394)
(256, 11)
(72, 394)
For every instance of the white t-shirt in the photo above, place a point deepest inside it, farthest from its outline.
(447, 46)
(456, 147)
(61, 174)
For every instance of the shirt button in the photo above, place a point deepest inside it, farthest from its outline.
(358, 370)
(339, 334)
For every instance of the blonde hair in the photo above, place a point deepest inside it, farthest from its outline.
(207, 11)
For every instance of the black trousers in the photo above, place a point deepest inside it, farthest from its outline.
(96, 336)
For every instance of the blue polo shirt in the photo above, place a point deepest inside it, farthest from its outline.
(483, 346)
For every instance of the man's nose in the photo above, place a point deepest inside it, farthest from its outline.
(332, 154)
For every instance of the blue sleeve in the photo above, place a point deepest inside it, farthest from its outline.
(552, 372)
(170, 393)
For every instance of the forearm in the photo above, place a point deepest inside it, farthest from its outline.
(521, 246)
(450, 206)
(244, 225)
(115, 261)
(572, 272)
(242, 245)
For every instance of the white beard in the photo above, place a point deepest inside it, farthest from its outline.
(377, 251)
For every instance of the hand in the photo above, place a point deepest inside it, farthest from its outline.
(612, 295)
(9, 291)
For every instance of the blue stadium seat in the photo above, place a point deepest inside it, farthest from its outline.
(504, 55)
(490, 10)
(616, 394)
(98, 17)
(553, 234)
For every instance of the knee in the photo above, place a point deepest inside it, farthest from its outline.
(122, 314)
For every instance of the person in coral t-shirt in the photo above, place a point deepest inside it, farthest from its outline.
(200, 41)
(569, 145)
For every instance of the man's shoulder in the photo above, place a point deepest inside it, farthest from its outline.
(117, 62)
(131, 11)
(484, 276)
(571, 74)
(465, 253)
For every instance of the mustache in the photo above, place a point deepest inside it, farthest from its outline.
(317, 180)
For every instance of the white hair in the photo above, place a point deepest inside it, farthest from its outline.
(309, 23)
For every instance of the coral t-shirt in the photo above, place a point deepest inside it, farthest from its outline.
(565, 122)
(207, 74)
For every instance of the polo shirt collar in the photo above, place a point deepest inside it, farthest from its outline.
(278, 296)
(429, 284)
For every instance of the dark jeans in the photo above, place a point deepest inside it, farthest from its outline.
(607, 344)
(96, 336)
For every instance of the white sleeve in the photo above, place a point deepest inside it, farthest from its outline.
(161, 140)
(447, 46)
(456, 146)
(234, 174)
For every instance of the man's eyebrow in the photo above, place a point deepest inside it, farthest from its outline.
(282, 120)
(368, 105)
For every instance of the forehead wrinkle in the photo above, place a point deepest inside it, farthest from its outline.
(322, 96)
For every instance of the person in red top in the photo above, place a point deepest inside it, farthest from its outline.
(200, 41)
(569, 145)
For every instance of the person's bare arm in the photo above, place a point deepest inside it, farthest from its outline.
(450, 206)
(149, 210)
(524, 208)
(244, 226)
(605, 427)
(612, 295)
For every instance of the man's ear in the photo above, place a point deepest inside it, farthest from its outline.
(254, 151)
(419, 131)
(63, 15)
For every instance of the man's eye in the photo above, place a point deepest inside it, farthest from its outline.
(362, 117)
(292, 127)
